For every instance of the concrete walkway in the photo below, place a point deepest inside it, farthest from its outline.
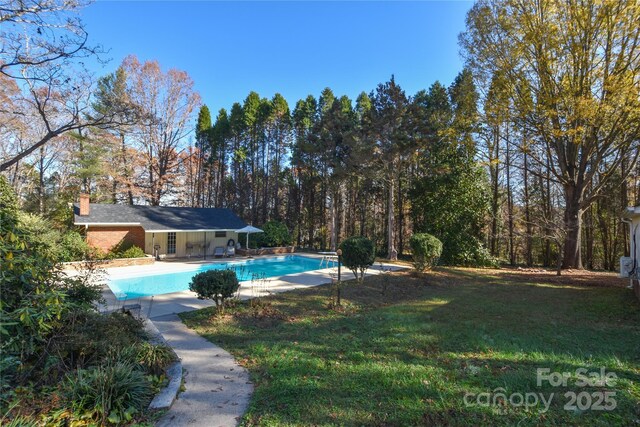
(217, 388)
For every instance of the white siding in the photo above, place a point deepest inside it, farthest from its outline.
(196, 238)
(635, 231)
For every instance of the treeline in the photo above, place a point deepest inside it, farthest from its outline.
(560, 85)
(331, 167)
(529, 157)
(385, 166)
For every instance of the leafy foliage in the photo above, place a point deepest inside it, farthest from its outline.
(275, 234)
(49, 331)
(73, 247)
(155, 358)
(358, 254)
(108, 394)
(132, 252)
(216, 285)
(573, 104)
(449, 197)
(124, 249)
(48, 241)
(425, 249)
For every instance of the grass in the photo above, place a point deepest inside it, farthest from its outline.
(409, 357)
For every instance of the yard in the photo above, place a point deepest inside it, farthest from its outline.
(416, 354)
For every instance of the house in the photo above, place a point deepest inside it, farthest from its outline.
(630, 267)
(159, 230)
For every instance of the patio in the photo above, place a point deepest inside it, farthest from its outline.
(178, 302)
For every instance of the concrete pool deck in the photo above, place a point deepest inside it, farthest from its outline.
(217, 390)
(178, 302)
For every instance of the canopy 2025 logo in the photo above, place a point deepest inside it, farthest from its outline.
(573, 400)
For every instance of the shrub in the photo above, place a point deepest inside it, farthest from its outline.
(108, 394)
(83, 291)
(40, 235)
(426, 250)
(124, 249)
(155, 358)
(91, 338)
(73, 247)
(358, 254)
(132, 252)
(468, 252)
(216, 285)
(275, 234)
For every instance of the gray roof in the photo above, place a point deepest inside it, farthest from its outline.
(159, 218)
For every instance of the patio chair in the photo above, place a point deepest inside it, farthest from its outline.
(189, 249)
(231, 251)
(218, 252)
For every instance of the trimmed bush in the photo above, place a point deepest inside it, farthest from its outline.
(275, 234)
(358, 254)
(426, 250)
(124, 249)
(132, 252)
(216, 285)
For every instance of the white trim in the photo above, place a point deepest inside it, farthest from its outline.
(190, 231)
(106, 224)
(117, 224)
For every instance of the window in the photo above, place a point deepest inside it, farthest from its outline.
(221, 234)
(171, 243)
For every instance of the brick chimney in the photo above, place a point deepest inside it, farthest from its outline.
(84, 204)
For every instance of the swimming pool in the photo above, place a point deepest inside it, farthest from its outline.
(156, 284)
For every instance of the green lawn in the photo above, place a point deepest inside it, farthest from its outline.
(409, 357)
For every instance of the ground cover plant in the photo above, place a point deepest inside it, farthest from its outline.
(62, 362)
(410, 356)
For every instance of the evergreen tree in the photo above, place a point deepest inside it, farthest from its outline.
(448, 197)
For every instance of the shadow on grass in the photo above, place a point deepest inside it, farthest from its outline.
(409, 357)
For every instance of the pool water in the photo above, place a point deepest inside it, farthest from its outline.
(253, 269)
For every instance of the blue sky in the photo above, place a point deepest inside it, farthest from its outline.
(293, 47)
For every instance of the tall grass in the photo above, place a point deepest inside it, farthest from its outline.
(108, 394)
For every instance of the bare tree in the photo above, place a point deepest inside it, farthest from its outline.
(42, 46)
(167, 102)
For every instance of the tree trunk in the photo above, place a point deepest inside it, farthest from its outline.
(494, 174)
(548, 212)
(624, 196)
(400, 217)
(573, 225)
(333, 222)
(527, 213)
(512, 251)
(125, 168)
(391, 251)
(589, 237)
(41, 182)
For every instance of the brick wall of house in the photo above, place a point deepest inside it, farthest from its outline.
(105, 238)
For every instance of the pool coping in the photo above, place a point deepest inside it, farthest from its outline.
(164, 309)
(179, 302)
